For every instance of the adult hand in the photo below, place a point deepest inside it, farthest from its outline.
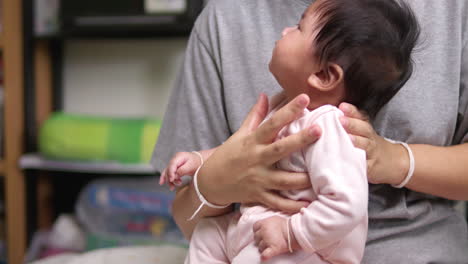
(381, 154)
(243, 168)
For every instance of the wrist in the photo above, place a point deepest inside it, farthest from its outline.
(209, 187)
(292, 241)
(199, 157)
(399, 165)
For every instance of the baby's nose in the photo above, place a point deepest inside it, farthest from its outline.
(286, 30)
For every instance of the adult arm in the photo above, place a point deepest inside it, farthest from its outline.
(184, 205)
(440, 171)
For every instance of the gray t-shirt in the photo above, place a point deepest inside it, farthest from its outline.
(226, 67)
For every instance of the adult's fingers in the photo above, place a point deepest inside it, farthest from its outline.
(280, 180)
(276, 202)
(267, 132)
(361, 142)
(352, 111)
(357, 127)
(285, 146)
(256, 115)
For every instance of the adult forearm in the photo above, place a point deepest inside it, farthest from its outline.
(440, 171)
(185, 204)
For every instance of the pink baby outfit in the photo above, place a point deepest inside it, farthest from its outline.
(332, 229)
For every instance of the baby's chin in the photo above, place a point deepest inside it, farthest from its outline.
(272, 69)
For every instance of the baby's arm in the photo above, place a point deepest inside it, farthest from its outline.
(338, 175)
(183, 163)
(337, 172)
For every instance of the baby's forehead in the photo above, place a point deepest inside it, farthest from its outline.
(314, 11)
(314, 18)
(310, 10)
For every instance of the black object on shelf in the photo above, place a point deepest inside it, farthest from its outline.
(128, 18)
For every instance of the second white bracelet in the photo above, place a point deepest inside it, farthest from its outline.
(411, 166)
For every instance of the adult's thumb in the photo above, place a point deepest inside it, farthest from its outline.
(256, 115)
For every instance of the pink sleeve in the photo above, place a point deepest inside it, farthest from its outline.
(337, 172)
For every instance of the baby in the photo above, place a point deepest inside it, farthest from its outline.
(355, 51)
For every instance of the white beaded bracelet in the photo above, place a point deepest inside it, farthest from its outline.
(200, 196)
(411, 163)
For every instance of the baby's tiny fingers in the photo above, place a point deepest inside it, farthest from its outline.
(262, 245)
(188, 168)
(257, 225)
(257, 237)
(171, 186)
(178, 182)
(267, 254)
(360, 142)
(174, 176)
(162, 177)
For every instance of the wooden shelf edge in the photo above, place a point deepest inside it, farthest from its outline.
(2, 168)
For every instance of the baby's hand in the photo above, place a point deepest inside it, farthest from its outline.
(183, 163)
(271, 236)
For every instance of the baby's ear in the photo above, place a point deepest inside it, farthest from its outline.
(328, 78)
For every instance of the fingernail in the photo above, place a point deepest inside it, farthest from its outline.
(343, 121)
(344, 107)
(302, 100)
(260, 97)
(314, 131)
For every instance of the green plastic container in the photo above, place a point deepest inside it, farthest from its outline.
(89, 138)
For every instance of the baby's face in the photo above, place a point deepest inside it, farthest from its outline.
(293, 58)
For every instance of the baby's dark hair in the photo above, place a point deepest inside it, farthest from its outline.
(372, 40)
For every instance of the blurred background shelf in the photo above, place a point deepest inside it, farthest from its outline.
(33, 39)
(38, 162)
(116, 19)
(39, 39)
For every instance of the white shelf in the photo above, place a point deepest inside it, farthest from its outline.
(39, 162)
